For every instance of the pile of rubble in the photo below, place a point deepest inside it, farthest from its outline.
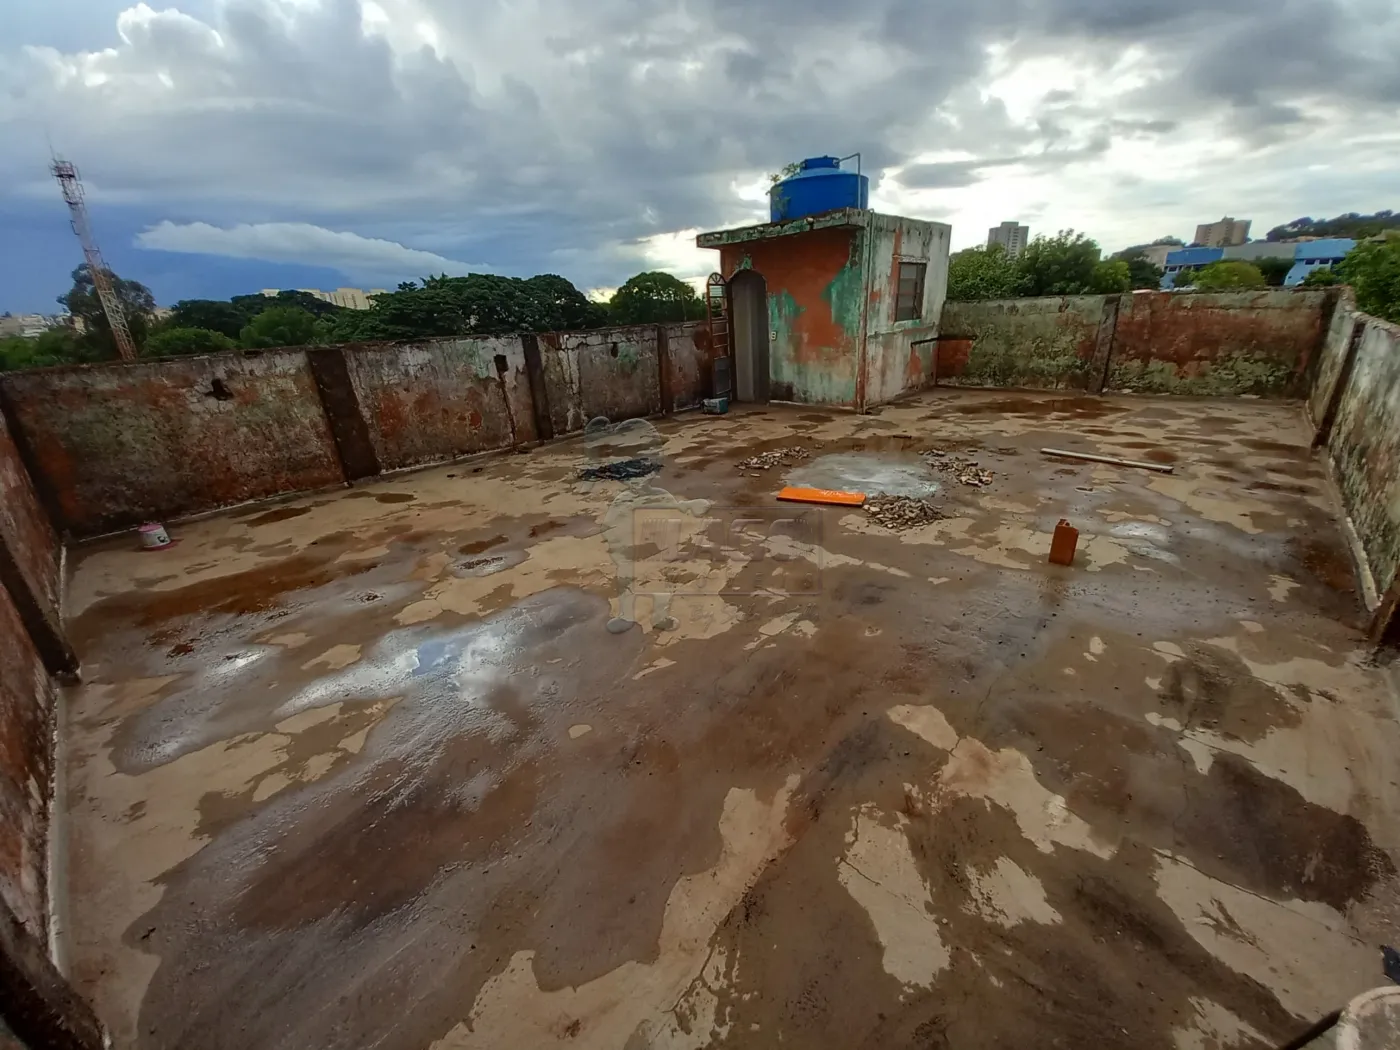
(777, 458)
(960, 467)
(902, 512)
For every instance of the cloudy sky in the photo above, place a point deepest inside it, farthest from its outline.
(229, 145)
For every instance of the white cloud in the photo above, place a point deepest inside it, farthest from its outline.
(360, 258)
(589, 140)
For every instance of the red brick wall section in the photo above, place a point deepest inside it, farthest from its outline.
(26, 711)
(440, 399)
(121, 444)
(25, 528)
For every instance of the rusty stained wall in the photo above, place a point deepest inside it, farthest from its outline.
(900, 354)
(612, 372)
(1042, 343)
(26, 771)
(120, 444)
(816, 288)
(1217, 343)
(439, 399)
(690, 364)
(25, 528)
(1364, 446)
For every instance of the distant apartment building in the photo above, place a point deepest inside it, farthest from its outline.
(349, 298)
(1222, 234)
(1011, 236)
(28, 326)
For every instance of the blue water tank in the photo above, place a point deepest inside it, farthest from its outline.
(820, 185)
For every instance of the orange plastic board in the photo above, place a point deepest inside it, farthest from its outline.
(841, 499)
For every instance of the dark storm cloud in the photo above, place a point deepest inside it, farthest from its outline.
(573, 129)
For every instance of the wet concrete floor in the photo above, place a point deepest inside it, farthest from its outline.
(367, 770)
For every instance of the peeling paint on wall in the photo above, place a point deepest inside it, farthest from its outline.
(437, 400)
(900, 354)
(815, 344)
(1217, 344)
(120, 444)
(612, 372)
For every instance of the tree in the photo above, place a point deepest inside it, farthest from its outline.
(1322, 277)
(252, 305)
(1142, 272)
(562, 306)
(1274, 269)
(1110, 276)
(1352, 224)
(84, 304)
(176, 341)
(654, 298)
(279, 326)
(214, 315)
(1060, 265)
(1372, 269)
(57, 346)
(1227, 275)
(983, 273)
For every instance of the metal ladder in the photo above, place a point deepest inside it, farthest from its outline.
(717, 313)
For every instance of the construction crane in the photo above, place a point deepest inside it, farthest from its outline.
(67, 176)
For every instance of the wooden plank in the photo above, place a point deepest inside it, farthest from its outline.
(1161, 468)
(841, 499)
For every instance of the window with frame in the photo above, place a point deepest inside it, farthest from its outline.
(909, 306)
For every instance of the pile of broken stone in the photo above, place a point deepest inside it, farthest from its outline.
(960, 467)
(776, 458)
(902, 512)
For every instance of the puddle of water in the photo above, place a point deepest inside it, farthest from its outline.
(254, 686)
(890, 473)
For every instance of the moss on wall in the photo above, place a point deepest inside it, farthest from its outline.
(1225, 377)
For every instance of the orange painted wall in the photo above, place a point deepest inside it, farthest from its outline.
(814, 282)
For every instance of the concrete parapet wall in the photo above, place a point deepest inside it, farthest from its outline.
(26, 771)
(117, 444)
(1045, 343)
(1355, 404)
(1198, 344)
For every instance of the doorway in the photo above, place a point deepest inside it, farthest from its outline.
(749, 294)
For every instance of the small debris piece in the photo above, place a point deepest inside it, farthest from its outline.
(902, 512)
(620, 470)
(777, 458)
(1063, 543)
(801, 495)
(1161, 468)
